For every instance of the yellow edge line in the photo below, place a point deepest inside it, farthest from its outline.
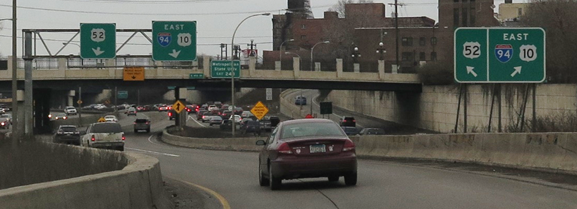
(220, 198)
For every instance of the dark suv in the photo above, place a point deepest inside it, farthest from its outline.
(67, 134)
(348, 121)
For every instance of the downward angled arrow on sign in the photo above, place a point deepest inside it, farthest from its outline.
(97, 51)
(470, 70)
(174, 53)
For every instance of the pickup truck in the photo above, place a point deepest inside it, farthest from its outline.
(104, 135)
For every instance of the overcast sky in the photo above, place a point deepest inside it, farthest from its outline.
(216, 20)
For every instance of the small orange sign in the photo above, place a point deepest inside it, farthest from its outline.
(133, 74)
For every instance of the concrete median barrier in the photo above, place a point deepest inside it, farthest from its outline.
(138, 185)
(232, 144)
(555, 152)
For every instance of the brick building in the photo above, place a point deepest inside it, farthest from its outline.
(365, 25)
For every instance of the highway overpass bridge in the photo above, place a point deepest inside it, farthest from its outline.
(61, 75)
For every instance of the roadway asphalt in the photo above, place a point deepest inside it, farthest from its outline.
(232, 178)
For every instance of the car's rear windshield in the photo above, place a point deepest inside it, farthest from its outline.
(106, 128)
(141, 120)
(68, 129)
(310, 129)
(349, 118)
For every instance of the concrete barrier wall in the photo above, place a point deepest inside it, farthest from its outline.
(288, 108)
(548, 151)
(139, 185)
(436, 107)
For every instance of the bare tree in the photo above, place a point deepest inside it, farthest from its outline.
(558, 19)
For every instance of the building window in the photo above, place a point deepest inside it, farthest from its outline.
(303, 37)
(433, 56)
(303, 26)
(456, 17)
(407, 56)
(407, 41)
(520, 12)
(422, 41)
(434, 41)
(464, 16)
(422, 56)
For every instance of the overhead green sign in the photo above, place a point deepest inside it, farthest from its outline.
(223, 68)
(97, 40)
(499, 55)
(174, 41)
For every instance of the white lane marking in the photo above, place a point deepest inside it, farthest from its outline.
(153, 152)
(197, 121)
(150, 138)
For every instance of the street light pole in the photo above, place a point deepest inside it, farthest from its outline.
(15, 124)
(313, 49)
(232, 69)
(280, 51)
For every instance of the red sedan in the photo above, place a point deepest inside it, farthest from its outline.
(307, 148)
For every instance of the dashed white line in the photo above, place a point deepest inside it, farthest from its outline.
(153, 152)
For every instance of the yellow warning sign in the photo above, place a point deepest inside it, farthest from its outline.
(133, 74)
(259, 110)
(178, 106)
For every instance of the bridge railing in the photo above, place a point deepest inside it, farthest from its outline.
(50, 68)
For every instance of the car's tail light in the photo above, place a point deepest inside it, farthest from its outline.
(64, 117)
(169, 114)
(354, 121)
(349, 146)
(2, 123)
(147, 122)
(60, 132)
(134, 123)
(123, 138)
(93, 139)
(284, 149)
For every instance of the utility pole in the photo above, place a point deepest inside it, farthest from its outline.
(252, 46)
(397, 34)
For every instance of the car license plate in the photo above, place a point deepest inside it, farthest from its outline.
(317, 148)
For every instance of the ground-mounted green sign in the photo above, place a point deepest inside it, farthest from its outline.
(223, 68)
(499, 55)
(174, 40)
(97, 40)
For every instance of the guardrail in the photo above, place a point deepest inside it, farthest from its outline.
(139, 186)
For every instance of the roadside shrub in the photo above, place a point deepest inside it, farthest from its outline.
(436, 73)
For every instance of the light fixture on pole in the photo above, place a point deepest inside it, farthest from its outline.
(381, 50)
(356, 54)
(313, 49)
(232, 69)
(280, 51)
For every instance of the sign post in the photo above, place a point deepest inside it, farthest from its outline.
(174, 41)
(499, 55)
(97, 40)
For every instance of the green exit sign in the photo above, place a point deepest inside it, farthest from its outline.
(196, 76)
(97, 40)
